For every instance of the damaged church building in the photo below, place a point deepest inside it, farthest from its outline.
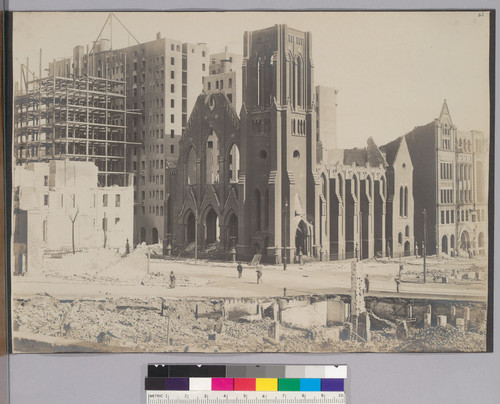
(270, 179)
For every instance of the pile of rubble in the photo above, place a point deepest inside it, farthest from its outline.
(212, 252)
(174, 325)
(443, 339)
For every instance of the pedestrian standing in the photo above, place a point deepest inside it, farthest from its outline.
(172, 280)
(398, 281)
(259, 275)
(367, 284)
(239, 269)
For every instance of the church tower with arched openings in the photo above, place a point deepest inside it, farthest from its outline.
(278, 148)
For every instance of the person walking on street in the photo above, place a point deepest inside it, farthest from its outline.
(239, 269)
(172, 280)
(367, 284)
(398, 281)
(259, 274)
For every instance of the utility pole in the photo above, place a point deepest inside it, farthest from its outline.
(196, 234)
(284, 241)
(425, 242)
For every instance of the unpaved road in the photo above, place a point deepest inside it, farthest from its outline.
(220, 280)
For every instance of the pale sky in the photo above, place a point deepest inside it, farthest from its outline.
(392, 69)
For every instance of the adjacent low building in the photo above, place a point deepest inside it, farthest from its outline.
(58, 205)
(400, 200)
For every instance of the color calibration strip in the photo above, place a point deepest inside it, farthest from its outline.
(256, 378)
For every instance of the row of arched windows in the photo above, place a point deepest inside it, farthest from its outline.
(354, 186)
(298, 127)
(261, 126)
(465, 145)
(407, 234)
(464, 171)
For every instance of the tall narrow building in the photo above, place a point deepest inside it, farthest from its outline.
(450, 180)
(225, 76)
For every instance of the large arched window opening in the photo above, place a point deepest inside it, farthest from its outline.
(406, 202)
(155, 235)
(382, 186)
(354, 188)
(234, 164)
(299, 81)
(444, 244)
(212, 159)
(211, 227)
(401, 199)
(191, 166)
(301, 238)
(190, 228)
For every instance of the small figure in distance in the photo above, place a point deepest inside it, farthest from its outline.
(259, 274)
(398, 281)
(367, 284)
(172, 280)
(239, 269)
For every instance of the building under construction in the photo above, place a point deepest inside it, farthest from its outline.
(81, 119)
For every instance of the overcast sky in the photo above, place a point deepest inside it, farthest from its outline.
(393, 70)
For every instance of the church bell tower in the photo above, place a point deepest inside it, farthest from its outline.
(278, 148)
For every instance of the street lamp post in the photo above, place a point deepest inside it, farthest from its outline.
(284, 241)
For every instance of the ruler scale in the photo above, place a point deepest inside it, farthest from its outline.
(250, 397)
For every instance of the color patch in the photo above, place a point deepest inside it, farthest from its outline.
(222, 384)
(154, 383)
(236, 371)
(310, 384)
(335, 372)
(332, 385)
(314, 372)
(288, 384)
(295, 371)
(244, 384)
(197, 371)
(200, 384)
(157, 370)
(177, 383)
(278, 372)
(266, 384)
